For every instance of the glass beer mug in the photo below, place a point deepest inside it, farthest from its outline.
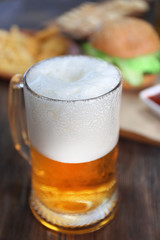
(71, 140)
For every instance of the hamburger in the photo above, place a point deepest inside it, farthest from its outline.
(132, 45)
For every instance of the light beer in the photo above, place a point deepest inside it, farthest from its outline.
(73, 187)
(72, 106)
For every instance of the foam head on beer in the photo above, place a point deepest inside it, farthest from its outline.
(73, 78)
(73, 131)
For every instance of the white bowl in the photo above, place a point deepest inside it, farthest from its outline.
(148, 92)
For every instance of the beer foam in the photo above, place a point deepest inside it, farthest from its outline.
(72, 78)
(73, 131)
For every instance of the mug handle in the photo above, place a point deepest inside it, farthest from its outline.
(17, 116)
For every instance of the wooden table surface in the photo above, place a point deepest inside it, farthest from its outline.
(138, 168)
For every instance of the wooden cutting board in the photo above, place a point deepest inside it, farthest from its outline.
(137, 121)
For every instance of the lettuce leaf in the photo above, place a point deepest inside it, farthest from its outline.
(133, 69)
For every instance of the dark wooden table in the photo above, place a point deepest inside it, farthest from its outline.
(138, 170)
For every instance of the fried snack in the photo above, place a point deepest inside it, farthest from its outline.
(51, 43)
(46, 33)
(25, 42)
(52, 47)
(82, 21)
(14, 52)
(19, 50)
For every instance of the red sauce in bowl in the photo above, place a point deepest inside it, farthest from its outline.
(155, 98)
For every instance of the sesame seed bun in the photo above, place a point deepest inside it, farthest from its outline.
(126, 38)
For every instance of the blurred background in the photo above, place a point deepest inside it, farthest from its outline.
(34, 13)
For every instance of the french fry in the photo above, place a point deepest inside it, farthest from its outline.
(53, 46)
(18, 50)
(46, 33)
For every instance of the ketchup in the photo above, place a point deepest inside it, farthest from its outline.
(155, 98)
